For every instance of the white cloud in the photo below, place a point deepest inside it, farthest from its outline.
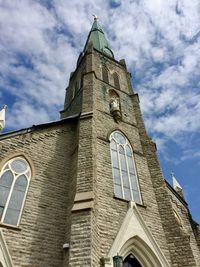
(24, 114)
(39, 48)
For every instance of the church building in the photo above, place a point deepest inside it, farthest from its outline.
(88, 190)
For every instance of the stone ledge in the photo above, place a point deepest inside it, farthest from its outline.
(9, 226)
(83, 206)
(83, 200)
(84, 196)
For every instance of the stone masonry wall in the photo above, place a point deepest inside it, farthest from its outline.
(41, 234)
(178, 241)
(185, 222)
(111, 210)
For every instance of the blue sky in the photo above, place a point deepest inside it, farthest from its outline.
(160, 40)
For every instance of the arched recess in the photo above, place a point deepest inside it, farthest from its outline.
(116, 80)
(144, 254)
(114, 102)
(105, 77)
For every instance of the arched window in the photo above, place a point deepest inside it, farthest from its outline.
(105, 74)
(116, 80)
(131, 261)
(123, 167)
(14, 181)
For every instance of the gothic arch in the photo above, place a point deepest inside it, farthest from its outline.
(141, 251)
(114, 129)
(135, 238)
(19, 154)
(15, 176)
(126, 184)
(113, 94)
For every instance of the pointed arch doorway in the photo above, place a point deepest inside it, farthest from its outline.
(131, 261)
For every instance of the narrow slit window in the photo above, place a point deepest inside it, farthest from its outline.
(123, 168)
(116, 80)
(14, 181)
(105, 74)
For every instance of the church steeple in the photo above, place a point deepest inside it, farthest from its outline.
(97, 38)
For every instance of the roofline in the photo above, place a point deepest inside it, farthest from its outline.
(37, 127)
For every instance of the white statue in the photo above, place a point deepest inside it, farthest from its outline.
(114, 105)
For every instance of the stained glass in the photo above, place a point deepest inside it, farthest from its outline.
(113, 145)
(19, 166)
(118, 190)
(128, 151)
(6, 179)
(123, 162)
(116, 174)
(11, 216)
(12, 190)
(5, 184)
(120, 138)
(125, 180)
(115, 159)
(16, 200)
(136, 196)
(127, 193)
(130, 165)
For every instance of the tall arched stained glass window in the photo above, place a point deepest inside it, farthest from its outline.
(14, 180)
(123, 168)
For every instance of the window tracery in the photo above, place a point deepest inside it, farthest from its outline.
(14, 181)
(123, 168)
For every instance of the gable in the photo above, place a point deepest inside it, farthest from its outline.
(135, 237)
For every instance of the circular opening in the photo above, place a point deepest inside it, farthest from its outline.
(19, 165)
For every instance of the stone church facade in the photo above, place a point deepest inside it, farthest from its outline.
(88, 190)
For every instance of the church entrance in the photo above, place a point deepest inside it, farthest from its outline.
(131, 261)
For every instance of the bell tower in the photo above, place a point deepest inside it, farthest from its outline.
(122, 204)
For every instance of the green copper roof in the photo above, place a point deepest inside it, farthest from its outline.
(98, 39)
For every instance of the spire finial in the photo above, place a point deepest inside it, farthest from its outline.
(95, 17)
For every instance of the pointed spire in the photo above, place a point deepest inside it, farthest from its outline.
(97, 38)
(177, 187)
(175, 182)
(2, 117)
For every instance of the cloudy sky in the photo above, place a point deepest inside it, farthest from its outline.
(40, 41)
